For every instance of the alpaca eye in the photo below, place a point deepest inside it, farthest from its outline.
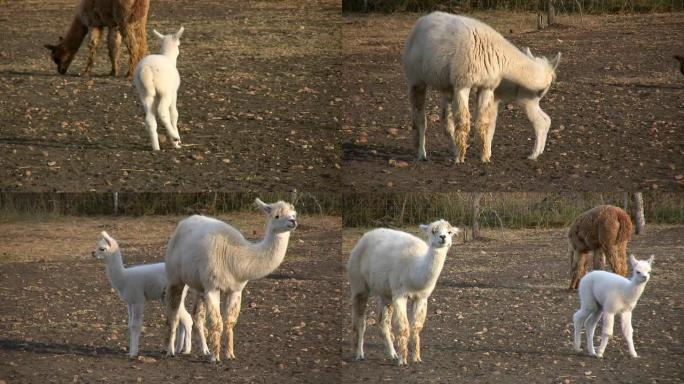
(102, 249)
(277, 216)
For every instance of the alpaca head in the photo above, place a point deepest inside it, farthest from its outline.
(170, 42)
(105, 247)
(61, 55)
(440, 233)
(282, 216)
(550, 69)
(641, 269)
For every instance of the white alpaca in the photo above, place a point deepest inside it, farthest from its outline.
(606, 293)
(157, 80)
(136, 285)
(212, 257)
(455, 54)
(396, 266)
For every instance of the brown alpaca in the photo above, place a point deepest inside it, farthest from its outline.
(127, 18)
(605, 230)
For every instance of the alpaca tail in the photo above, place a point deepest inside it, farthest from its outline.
(625, 231)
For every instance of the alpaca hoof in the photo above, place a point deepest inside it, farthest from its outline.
(485, 160)
(359, 358)
(205, 352)
(634, 356)
(394, 356)
(417, 360)
(598, 355)
(215, 359)
(401, 362)
(532, 157)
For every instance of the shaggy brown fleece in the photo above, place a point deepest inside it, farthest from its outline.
(605, 230)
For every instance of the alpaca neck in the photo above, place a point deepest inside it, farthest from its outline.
(115, 270)
(526, 72)
(634, 290)
(426, 269)
(74, 37)
(265, 256)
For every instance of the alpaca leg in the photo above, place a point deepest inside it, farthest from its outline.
(401, 320)
(359, 301)
(174, 121)
(448, 118)
(617, 263)
(599, 260)
(199, 316)
(230, 319)
(185, 343)
(578, 267)
(173, 299)
(212, 300)
(628, 332)
(95, 34)
(541, 123)
(131, 41)
(485, 104)
(607, 332)
(463, 126)
(164, 113)
(578, 320)
(114, 45)
(135, 327)
(150, 121)
(418, 123)
(385, 311)
(493, 114)
(590, 324)
(419, 314)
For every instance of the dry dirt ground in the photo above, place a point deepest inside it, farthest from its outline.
(61, 322)
(257, 103)
(502, 313)
(616, 110)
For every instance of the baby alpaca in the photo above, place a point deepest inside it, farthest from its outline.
(608, 294)
(157, 81)
(396, 267)
(135, 286)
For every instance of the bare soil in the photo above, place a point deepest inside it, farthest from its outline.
(257, 103)
(502, 313)
(616, 110)
(61, 322)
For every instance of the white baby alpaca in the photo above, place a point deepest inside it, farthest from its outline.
(157, 80)
(136, 285)
(396, 267)
(606, 293)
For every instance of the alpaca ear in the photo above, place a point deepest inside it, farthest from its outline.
(456, 230)
(179, 33)
(425, 228)
(650, 260)
(528, 52)
(159, 35)
(50, 47)
(263, 206)
(107, 238)
(632, 260)
(555, 61)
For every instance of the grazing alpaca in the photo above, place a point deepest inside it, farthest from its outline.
(455, 54)
(121, 17)
(212, 257)
(605, 230)
(396, 266)
(608, 294)
(157, 81)
(136, 285)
